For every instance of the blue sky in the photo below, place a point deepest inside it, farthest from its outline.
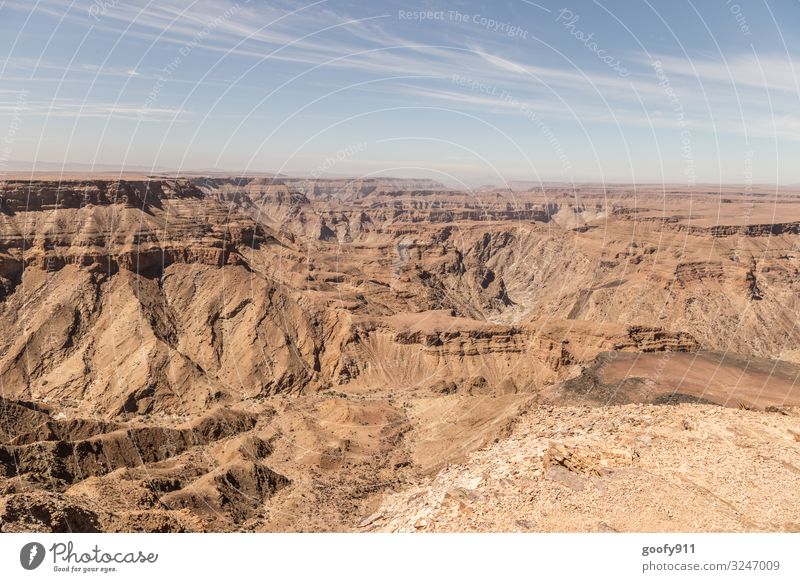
(464, 92)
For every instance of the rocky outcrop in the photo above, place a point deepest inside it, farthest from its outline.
(623, 469)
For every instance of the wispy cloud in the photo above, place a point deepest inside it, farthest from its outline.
(747, 71)
(70, 108)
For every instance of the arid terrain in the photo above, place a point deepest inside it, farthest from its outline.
(277, 354)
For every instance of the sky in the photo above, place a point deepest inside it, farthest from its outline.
(468, 93)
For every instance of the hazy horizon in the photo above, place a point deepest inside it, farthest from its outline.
(467, 93)
(76, 171)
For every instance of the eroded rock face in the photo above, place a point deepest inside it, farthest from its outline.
(229, 353)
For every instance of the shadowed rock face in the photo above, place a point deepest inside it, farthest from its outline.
(230, 353)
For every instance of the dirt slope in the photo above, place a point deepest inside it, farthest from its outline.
(631, 468)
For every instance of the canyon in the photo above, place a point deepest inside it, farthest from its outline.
(211, 353)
